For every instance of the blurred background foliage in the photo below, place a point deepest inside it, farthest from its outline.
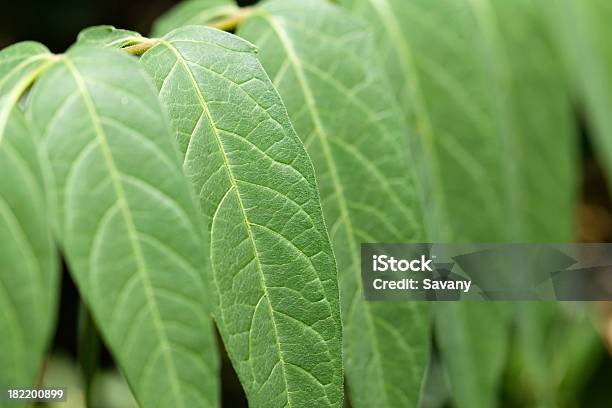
(578, 364)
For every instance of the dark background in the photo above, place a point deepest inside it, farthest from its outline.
(56, 24)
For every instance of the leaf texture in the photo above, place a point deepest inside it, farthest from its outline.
(28, 262)
(192, 12)
(272, 264)
(323, 65)
(481, 83)
(128, 223)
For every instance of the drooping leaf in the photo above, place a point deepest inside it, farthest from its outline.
(193, 12)
(323, 65)
(28, 262)
(481, 83)
(272, 264)
(128, 223)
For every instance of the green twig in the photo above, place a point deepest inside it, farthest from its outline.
(141, 47)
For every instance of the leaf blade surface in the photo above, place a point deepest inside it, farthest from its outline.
(322, 63)
(273, 268)
(481, 83)
(28, 261)
(127, 221)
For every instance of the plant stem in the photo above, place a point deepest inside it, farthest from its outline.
(232, 22)
(141, 47)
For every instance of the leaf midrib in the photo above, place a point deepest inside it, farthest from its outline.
(132, 233)
(234, 186)
(320, 131)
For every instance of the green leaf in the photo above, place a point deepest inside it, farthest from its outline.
(584, 30)
(28, 262)
(274, 270)
(473, 339)
(107, 35)
(128, 224)
(323, 64)
(556, 351)
(192, 12)
(481, 83)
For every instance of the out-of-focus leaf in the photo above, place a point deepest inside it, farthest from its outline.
(436, 389)
(555, 350)
(61, 371)
(108, 36)
(192, 12)
(481, 83)
(577, 358)
(28, 263)
(128, 223)
(110, 391)
(323, 64)
(473, 341)
(585, 30)
(272, 263)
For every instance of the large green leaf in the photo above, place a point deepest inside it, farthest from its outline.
(322, 63)
(272, 263)
(481, 83)
(28, 264)
(128, 223)
(193, 12)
